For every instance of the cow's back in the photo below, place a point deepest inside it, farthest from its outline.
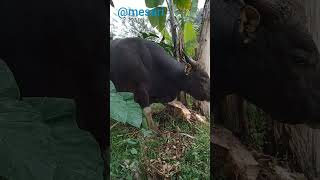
(130, 64)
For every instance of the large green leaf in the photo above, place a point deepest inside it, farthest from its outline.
(153, 3)
(8, 85)
(112, 87)
(146, 35)
(74, 150)
(193, 12)
(183, 5)
(167, 36)
(168, 48)
(39, 138)
(123, 108)
(42, 141)
(157, 17)
(190, 38)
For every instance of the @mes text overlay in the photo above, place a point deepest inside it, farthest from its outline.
(132, 12)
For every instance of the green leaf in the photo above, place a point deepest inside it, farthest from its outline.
(118, 108)
(124, 109)
(190, 39)
(189, 32)
(133, 151)
(112, 87)
(193, 11)
(129, 177)
(182, 5)
(127, 96)
(168, 48)
(153, 3)
(157, 17)
(132, 142)
(167, 36)
(144, 123)
(148, 35)
(134, 111)
(146, 133)
(8, 85)
(40, 138)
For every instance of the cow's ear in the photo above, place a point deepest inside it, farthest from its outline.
(249, 22)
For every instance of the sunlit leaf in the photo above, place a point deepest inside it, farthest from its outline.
(183, 5)
(157, 17)
(167, 36)
(190, 38)
(147, 35)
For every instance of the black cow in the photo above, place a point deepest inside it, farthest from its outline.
(263, 52)
(58, 49)
(144, 68)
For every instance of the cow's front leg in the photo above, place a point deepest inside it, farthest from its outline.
(141, 96)
(148, 113)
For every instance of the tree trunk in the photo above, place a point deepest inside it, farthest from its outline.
(304, 142)
(203, 52)
(177, 44)
(234, 114)
(173, 28)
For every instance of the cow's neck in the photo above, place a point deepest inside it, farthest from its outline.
(185, 84)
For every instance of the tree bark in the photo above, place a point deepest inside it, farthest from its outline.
(173, 28)
(203, 52)
(234, 115)
(304, 142)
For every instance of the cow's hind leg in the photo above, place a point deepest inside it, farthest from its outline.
(141, 96)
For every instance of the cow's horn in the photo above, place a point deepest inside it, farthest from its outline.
(190, 60)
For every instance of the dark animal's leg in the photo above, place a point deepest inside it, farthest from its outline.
(142, 97)
(148, 113)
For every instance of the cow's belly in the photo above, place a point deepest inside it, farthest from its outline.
(162, 96)
(123, 86)
(161, 99)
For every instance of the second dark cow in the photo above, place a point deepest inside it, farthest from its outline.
(144, 68)
(263, 52)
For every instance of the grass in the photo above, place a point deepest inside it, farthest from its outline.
(180, 151)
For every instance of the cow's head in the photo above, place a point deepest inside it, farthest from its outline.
(272, 60)
(198, 81)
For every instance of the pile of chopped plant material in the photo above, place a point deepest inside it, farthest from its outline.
(169, 153)
(174, 143)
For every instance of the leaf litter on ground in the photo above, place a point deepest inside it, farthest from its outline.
(164, 154)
